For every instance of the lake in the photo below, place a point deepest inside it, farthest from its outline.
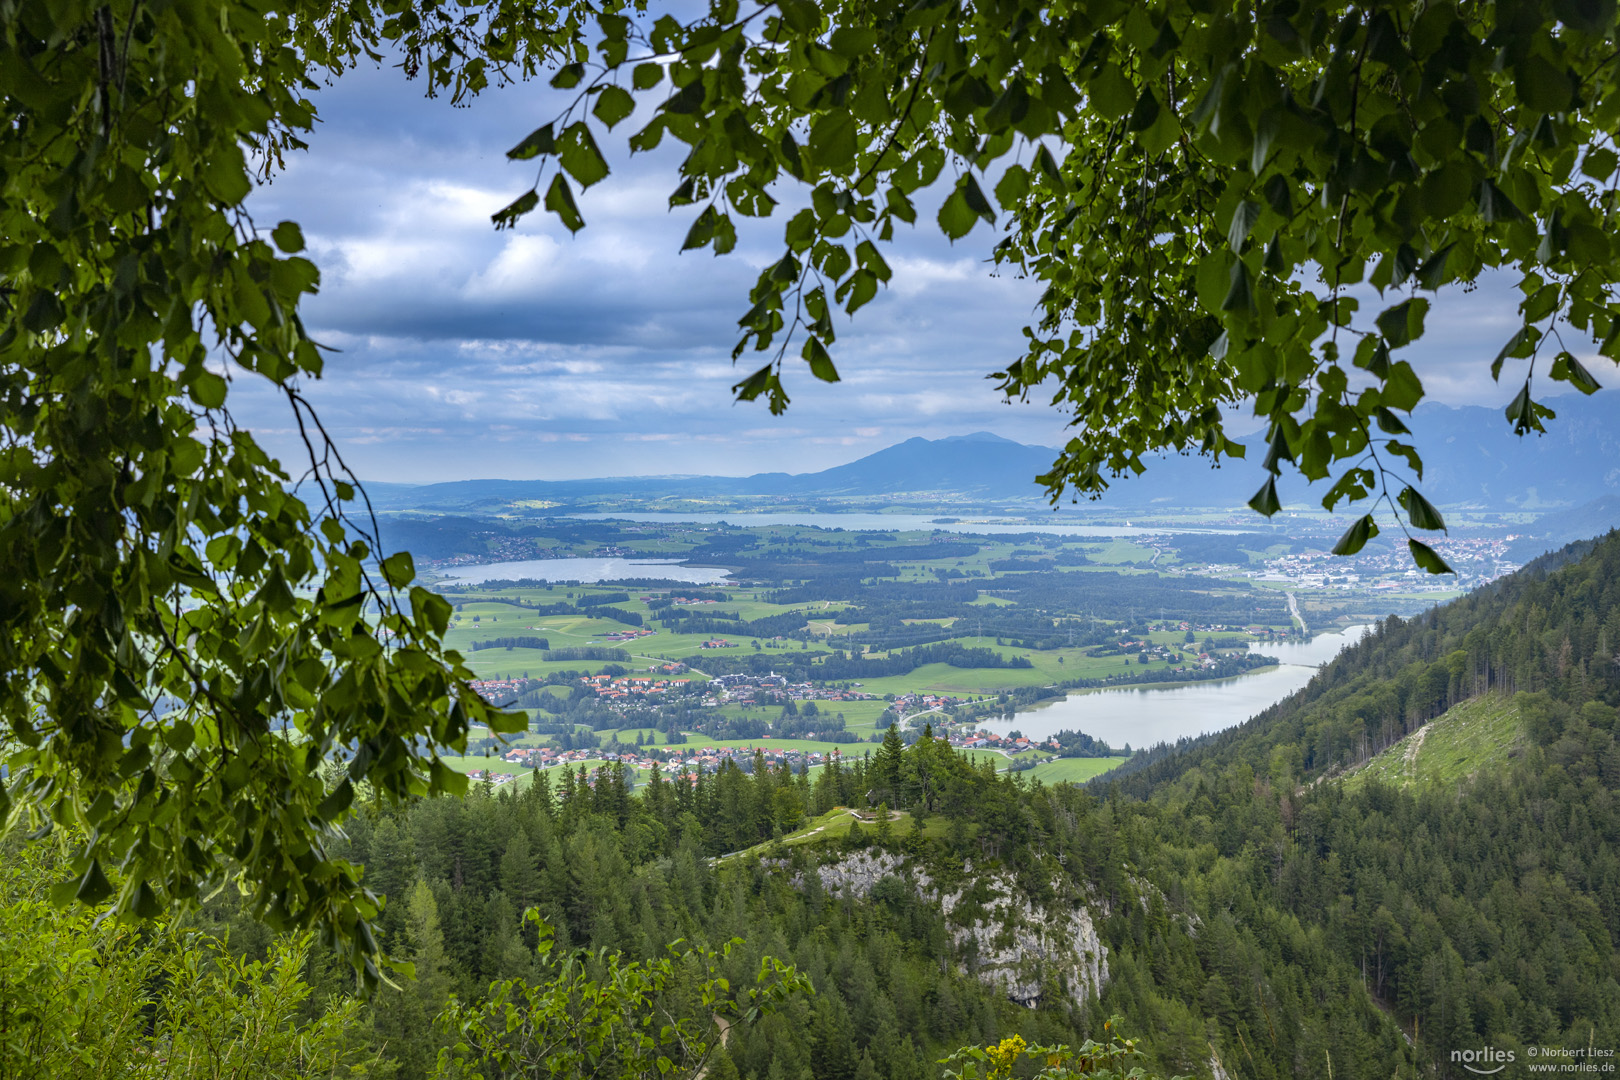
(899, 523)
(584, 570)
(1144, 716)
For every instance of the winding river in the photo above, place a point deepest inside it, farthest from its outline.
(1143, 716)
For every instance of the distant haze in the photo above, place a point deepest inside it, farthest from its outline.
(1471, 458)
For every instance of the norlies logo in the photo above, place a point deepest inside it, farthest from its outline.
(1483, 1062)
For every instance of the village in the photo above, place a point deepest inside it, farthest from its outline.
(672, 760)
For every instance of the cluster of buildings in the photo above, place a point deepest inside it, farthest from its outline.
(1168, 653)
(623, 687)
(492, 777)
(1217, 628)
(679, 601)
(913, 703)
(711, 758)
(670, 759)
(989, 740)
(499, 691)
(745, 689)
(1477, 560)
(544, 757)
(715, 643)
(629, 634)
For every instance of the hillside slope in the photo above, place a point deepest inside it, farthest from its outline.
(1476, 736)
(1466, 873)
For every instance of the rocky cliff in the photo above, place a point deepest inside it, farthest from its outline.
(1026, 951)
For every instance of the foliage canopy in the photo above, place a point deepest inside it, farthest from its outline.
(1209, 193)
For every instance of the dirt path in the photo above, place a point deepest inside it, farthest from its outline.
(1410, 759)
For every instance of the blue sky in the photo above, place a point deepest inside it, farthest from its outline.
(535, 354)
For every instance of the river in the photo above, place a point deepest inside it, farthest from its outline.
(1143, 716)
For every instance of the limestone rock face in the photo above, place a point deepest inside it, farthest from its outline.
(1000, 936)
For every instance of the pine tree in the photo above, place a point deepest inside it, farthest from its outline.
(887, 767)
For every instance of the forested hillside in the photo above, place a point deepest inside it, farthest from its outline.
(1480, 913)
(1255, 914)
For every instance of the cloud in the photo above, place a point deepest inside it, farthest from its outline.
(467, 352)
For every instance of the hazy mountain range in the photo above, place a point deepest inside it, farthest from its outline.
(1472, 459)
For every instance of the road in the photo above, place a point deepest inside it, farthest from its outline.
(1293, 609)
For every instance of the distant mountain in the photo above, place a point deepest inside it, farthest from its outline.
(976, 463)
(1471, 457)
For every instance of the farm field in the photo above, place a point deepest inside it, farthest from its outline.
(1071, 770)
(926, 610)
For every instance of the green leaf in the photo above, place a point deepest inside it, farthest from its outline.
(1145, 111)
(1239, 294)
(751, 387)
(1111, 93)
(1599, 162)
(1427, 558)
(1495, 206)
(208, 390)
(613, 104)
(1243, 219)
(1214, 279)
(560, 201)
(1420, 511)
(1049, 167)
(821, 365)
(537, 142)
(1401, 389)
(1518, 346)
(1403, 323)
(1542, 85)
(1264, 501)
(45, 312)
(398, 569)
(801, 16)
(1389, 423)
(832, 140)
(145, 903)
(1279, 196)
(1432, 274)
(976, 201)
(956, 218)
(336, 802)
(1521, 410)
(288, 237)
(579, 154)
(868, 256)
(508, 216)
(568, 76)
(1568, 369)
(1277, 451)
(1012, 187)
(646, 76)
(1356, 536)
(701, 231)
(93, 886)
(226, 178)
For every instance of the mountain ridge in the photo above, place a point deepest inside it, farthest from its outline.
(1577, 461)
